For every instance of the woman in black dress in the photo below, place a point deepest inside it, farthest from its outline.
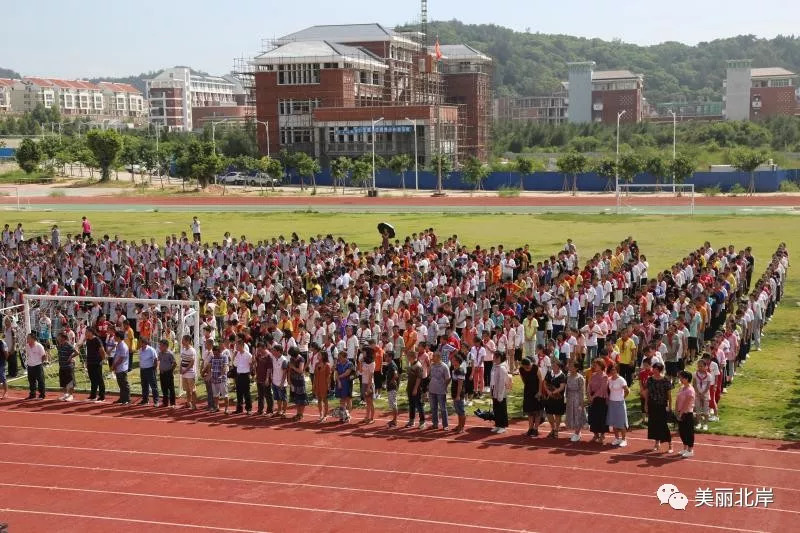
(554, 384)
(531, 405)
(658, 399)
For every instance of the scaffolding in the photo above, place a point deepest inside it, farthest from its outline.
(408, 76)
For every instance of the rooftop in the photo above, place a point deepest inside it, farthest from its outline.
(344, 33)
(319, 51)
(119, 87)
(62, 84)
(599, 75)
(770, 72)
(462, 51)
(7, 82)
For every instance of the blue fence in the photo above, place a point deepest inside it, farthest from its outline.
(6, 153)
(766, 181)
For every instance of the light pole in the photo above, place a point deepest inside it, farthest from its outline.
(416, 157)
(674, 137)
(266, 128)
(616, 163)
(374, 122)
(213, 132)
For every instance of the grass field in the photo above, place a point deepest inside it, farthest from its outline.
(765, 398)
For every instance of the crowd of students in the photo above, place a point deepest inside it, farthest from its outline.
(426, 315)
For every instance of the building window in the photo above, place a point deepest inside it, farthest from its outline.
(780, 83)
(295, 135)
(297, 107)
(300, 74)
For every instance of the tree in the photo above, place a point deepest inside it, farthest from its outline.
(606, 167)
(105, 146)
(442, 164)
(527, 166)
(630, 165)
(362, 172)
(572, 163)
(129, 155)
(655, 165)
(682, 167)
(340, 168)
(309, 167)
(400, 164)
(199, 160)
(28, 155)
(147, 156)
(289, 160)
(475, 171)
(748, 160)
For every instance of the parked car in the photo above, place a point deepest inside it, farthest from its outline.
(261, 180)
(231, 178)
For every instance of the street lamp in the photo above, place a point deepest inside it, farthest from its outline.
(616, 164)
(266, 128)
(213, 132)
(416, 157)
(674, 137)
(374, 122)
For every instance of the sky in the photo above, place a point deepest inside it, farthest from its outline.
(92, 38)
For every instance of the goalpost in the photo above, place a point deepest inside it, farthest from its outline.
(633, 196)
(179, 316)
(16, 193)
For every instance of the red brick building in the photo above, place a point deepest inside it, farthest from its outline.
(322, 89)
(772, 92)
(614, 91)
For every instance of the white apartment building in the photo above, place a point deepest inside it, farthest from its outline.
(6, 88)
(174, 92)
(122, 100)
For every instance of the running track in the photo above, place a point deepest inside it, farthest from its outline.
(91, 468)
(455, 202)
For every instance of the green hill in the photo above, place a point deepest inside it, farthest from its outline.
(534, 63)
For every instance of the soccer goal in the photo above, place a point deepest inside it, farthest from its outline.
(651, 197)
(47, 316)
(11, 191)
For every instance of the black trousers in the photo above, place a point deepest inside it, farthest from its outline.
(626, 371)
(686, 429)
(167, 387)
(97, 382)
(36, 379)
(243, 392)
(13, 363)
(264, 394)
(149, 384)
(500, 410)
(124, 387)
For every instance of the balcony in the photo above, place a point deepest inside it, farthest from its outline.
(598, 106)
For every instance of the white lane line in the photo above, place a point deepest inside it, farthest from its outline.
(384, 452)
(129, 520)
(266, 506)
(400, 419)
(332, 487)
(395, 433)
(683, 524)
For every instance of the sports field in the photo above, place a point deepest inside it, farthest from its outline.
(164, 470)
(764, 401)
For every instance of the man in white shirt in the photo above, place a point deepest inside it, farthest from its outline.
(35, 357)
(243, 362)
(280, 371)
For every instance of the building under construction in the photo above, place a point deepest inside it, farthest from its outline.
(324, 90)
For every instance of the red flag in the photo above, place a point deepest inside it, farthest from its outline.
(438, 50)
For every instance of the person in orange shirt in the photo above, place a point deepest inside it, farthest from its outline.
(410, 339)
(145, 326)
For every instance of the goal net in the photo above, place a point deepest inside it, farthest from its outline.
(47, 316)
(667, 198)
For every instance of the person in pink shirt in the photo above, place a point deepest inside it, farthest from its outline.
(684, 411)
(86, 228)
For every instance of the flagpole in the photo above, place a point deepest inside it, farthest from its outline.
(438, 55)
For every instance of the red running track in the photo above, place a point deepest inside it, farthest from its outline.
(760, 200)
(80, 467)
